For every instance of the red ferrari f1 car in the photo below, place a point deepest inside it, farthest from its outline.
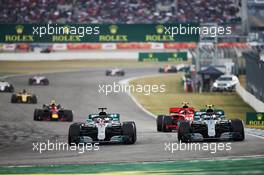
(167, 123)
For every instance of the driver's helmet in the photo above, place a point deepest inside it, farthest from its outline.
(185, 105)
(210, 111)
(24, 91)
(53, 103)
(102, 114)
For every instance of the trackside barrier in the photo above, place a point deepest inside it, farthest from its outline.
(250, 99)
(32, 56)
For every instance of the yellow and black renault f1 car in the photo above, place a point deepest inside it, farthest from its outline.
(24, 97)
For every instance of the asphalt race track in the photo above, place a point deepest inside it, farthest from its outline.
(79, 91)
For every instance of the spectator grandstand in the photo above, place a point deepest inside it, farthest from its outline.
(116, 11)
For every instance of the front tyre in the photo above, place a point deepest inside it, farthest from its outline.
(74, 134)
(129, 132)
(184, 132)
(238, 129)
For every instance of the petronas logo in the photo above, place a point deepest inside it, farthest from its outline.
(159, 29)
(259, 116)
(19, 29)
(113, 29)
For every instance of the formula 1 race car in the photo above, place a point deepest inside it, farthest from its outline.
(53, 112)
(210, 124)
(167, 123)
(115, 72)
(24, 97)
(6, 87)
(168, 69)
(103, 128)
(38, 80)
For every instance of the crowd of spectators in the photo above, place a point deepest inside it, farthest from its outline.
(118, 11)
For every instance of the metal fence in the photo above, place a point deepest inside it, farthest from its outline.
(254, 74)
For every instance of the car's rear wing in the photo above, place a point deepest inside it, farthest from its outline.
(176, 110)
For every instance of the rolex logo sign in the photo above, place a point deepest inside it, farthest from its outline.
(150, 55)
(19, 29)
(159, 29)
(113, 29)
(255, 118)
(259, 116)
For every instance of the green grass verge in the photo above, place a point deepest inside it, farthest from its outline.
(159, 103)
(227, 166)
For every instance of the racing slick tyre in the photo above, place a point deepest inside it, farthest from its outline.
(107, 73)
(74, 133)
(159, 122)
(161, 70)
(14, 98)
(129, 130)
(68, 114)
(45, 82)
(33, 99)
(38, 115)
(166, 120)
(11, 88)
(238, 127)
(30, 81)
(184, 132)
(122, 73)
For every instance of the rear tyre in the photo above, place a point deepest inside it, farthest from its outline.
(68, 114)
(238, 127)
(46, 82)
(184, 132)
(30, 81)
(122, 73)
(74, 134)
(34, 99)
(130, 132)
(14, 98)
(166, 120)
(11, 88)
(38, 115)
(159, 123)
